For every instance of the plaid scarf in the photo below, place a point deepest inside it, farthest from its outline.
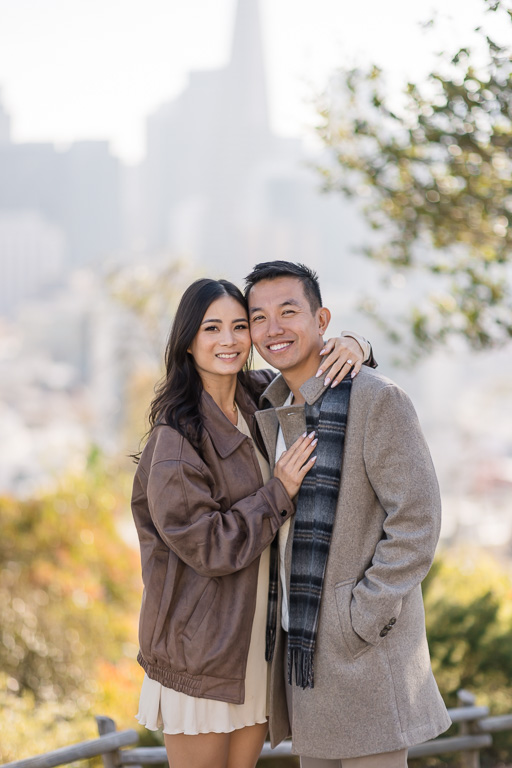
(314, 520)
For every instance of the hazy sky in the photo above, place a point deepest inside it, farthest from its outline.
(75, 69)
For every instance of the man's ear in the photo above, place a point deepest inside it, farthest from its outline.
(324, 318)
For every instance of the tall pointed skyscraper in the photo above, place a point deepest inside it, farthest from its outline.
(245, 73)
(221, 189)
(204, 147)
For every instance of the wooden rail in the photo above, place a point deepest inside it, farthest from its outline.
(110, 743)
(475, 728)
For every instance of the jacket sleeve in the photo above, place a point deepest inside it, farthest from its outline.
(366, 347)
(191, 523)
(400, 469)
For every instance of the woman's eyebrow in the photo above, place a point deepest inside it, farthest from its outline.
(216, 320)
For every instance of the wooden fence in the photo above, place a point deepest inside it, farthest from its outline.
(475, 729)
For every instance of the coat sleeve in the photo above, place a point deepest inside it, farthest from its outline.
(400, 469)
(191, 523)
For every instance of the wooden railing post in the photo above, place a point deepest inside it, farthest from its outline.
(110, 759)
(469, 759)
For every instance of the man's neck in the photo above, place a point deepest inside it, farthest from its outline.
(295, 380)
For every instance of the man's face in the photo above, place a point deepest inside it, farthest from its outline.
(284, 330)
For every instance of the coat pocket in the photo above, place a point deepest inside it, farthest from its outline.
(355, 644)
(203, 606)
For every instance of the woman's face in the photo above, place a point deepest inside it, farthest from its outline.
(223, 342)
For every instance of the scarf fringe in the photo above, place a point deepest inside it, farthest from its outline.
(270, 642)
(302, 662)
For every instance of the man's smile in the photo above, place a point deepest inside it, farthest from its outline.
(278, 346)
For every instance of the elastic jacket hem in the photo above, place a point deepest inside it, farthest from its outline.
(203, 686)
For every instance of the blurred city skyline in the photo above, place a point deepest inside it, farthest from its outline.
(73, 70)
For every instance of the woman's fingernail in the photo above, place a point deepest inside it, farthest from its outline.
(305, 434)
(327, 381)
(334, 384)
(311, 434)
(323, 351)
(352, 374)
(318, 373)
(313, 458)
(315, 441)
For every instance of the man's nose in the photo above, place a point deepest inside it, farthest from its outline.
(274, 327)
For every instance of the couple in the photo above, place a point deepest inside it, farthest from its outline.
(297, 534)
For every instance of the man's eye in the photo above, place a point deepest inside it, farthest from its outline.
(288, 312)
(256, 318)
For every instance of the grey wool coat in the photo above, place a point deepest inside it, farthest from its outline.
(374, 689)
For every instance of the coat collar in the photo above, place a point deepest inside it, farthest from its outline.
(278, 390)
(224, 435)
(291, 418)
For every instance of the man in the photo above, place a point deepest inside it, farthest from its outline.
(359, 689)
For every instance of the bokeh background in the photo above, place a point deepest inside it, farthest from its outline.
(144, 144)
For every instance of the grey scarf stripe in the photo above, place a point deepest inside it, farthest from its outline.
(314, 520)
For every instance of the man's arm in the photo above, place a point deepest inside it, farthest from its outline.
(400, 469)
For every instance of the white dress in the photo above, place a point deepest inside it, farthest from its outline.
(178, 712)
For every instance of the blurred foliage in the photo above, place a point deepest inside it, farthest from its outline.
(435, 181)
(69, 600)
(468, 606)
(151, 292)
(28, 727)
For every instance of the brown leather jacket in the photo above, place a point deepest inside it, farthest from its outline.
(202, 525)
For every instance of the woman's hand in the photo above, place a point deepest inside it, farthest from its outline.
(295, 463)
(342, 353)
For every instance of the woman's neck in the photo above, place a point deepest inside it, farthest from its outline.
(222, 389)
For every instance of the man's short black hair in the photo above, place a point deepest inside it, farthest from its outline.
(269, 270)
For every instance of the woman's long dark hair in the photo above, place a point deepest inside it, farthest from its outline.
(178, 394)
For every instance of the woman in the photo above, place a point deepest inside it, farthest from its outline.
(206, 510)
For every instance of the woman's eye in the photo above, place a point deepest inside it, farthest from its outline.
(241, 327)
(211, 328)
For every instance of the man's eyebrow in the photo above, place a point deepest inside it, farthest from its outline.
(293, 302)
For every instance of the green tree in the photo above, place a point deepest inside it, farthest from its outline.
(436, 179)
(468, 610)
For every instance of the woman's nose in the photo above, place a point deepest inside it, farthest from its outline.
(227, 339)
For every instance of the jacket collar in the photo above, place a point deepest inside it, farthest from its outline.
(224, 435)
(278, 390)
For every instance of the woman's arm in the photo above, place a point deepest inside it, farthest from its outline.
(343, 354)
(189, 519)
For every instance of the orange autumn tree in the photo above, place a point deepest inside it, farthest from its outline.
(69, 600)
